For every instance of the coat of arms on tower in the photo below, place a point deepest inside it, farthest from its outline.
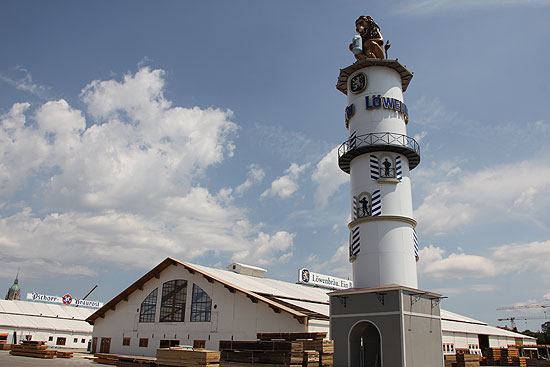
(358, 83)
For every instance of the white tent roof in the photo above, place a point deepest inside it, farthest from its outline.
(317, 300)
(44, 316)
(266, 286)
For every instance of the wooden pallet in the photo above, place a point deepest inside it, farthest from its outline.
(275, 345)
(177, 356)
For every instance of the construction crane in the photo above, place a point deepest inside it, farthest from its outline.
(529, 305)
(513, 319)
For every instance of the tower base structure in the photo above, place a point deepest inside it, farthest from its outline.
(387, 326)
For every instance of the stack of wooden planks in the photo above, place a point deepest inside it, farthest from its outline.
(467, 360)
(450, 360)
(105, 358)
(493, 356)
(62, 354)
(182, 356)
(36, 349)
(279, 350)
(121, 360)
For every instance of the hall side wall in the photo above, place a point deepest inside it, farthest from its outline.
(234, 316)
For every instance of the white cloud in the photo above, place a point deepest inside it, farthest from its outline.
(458, 266)
(337, 265)
(266, 249)
(503, 191)
(255, 175)
(503, 259)
(286, 185)
(126, 190)
(478, 288)
(328, 177)
(421, 7)
(26, 83)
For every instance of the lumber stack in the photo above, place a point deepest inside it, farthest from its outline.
(467, 360)
(62, 354)
(450, 360)
(36, 349)
(182, 356)
(519, 361)
(494, 356)
(279, 350)
(105, 358)
(121, 360)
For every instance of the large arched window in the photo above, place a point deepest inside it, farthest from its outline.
(172, 307)
(148, 307)
(201, 306)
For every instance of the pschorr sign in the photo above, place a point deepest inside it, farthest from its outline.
(66, 300)
(320, 280)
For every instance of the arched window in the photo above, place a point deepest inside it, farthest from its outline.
(363, 207)
(387, 167)
(172, 307)
(201, 305)
(148, 307)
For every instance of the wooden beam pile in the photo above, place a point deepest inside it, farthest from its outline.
(279, 350)
(105, 358)
(62, 354)
(36, 349)
(121, 360)
(467, 360)
(493, 356)
(185, 357)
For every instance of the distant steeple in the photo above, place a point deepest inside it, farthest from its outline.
(14, 291)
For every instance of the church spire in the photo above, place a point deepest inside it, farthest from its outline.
(14, 291)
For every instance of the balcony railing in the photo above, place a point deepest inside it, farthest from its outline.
(373, 142)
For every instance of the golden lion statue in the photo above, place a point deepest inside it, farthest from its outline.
(371, 40)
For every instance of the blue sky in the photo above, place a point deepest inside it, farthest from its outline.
(133, 131)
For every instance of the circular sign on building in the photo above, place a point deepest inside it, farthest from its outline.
(67, 299)
(358, 83)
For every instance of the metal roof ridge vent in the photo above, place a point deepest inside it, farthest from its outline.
(245, 269)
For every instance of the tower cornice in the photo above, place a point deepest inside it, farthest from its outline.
(398, 218)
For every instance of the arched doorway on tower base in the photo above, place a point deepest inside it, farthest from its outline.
(365, 345)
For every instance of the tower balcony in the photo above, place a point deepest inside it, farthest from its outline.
(378, 142)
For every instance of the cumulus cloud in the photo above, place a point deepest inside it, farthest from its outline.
(422, 7)
(328, 177)
(255, 175)
(488, 193)
(267, 249)
(434, 262)
(285, 186)
(122, 183)
(337, 265)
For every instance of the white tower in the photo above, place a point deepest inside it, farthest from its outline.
(379, 156)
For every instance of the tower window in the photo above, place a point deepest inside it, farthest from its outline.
(387, 167)
(363, 205)
(149, 307)
(172, 308)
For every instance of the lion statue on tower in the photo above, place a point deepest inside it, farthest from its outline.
(369, 41)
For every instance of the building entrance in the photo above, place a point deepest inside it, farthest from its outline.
(364, 344)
